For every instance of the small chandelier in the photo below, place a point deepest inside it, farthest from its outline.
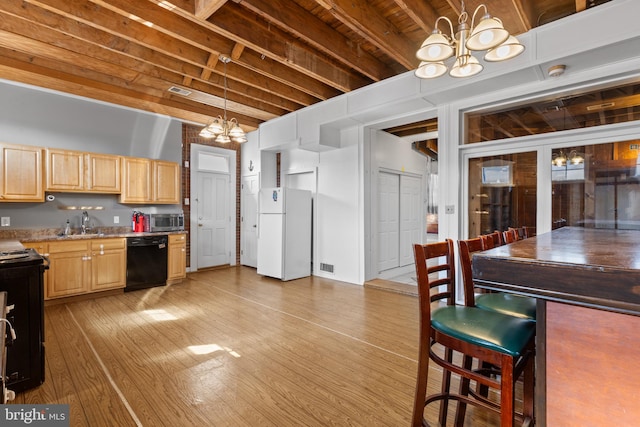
(561, 159)
(488, 35)
(223, 130)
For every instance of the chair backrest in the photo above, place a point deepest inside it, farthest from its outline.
(510, 236)
(520, 232)
(529, 231)
(493, 240)
(433, 276)
(466, 250)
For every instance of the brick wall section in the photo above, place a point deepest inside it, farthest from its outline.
(190, 135)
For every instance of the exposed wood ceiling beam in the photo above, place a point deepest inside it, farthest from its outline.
(312, 30)
(205, 8)
(363, 19)
(420, 12)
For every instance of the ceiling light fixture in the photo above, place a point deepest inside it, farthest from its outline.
(223, 130)
(561, 159)
(488, 35)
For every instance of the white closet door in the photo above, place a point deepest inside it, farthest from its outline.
(388, 221)
(410, 214)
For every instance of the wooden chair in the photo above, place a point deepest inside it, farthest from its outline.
(501, 302)
(529, 231)
(511, 235)
(496, 239)
(505, 342)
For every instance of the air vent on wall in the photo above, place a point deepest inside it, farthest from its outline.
(326, 267)
(179, 91)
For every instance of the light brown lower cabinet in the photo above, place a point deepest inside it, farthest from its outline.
(177, 261)
(69, 268)
(108, 264)
(79, 267)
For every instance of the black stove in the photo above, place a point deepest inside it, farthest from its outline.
(22, 278)
(19, 257)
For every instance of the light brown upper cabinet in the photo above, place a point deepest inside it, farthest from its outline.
(21, 173)
(103, 173)
(166, 184)
(150, 181)
(136, 179)
(76, 171)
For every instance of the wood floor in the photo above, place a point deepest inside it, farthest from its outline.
(231, 348)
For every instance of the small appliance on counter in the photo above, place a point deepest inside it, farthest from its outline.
(140, 222)
(166, 222)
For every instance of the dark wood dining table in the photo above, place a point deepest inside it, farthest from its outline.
(587, 284)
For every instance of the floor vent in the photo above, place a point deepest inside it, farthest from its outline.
(179, 91)
(326, 267)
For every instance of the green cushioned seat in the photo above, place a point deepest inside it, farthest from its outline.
(496, 331)
(513, 305)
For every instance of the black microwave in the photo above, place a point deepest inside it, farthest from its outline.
(166, 222)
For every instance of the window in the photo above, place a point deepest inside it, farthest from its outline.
(502, 192)
(601, 192)
(556, 113)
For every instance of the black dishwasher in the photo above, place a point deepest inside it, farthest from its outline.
(146, 262)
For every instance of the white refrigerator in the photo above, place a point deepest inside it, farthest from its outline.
(284, 233)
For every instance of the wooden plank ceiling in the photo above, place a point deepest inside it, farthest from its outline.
(286, 54)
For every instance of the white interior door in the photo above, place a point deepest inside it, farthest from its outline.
(410, 217)
(249, 220)
(213, 220)
(388, 220)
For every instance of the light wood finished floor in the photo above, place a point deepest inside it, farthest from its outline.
(231, 348)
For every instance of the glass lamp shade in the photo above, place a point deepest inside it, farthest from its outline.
(507, 50)
(235, 131)
(430, 70)
(488, 34)
(222, 139)
(206, 133)
(239, 139)
(435, 48)
(467, 68)
(216, 127)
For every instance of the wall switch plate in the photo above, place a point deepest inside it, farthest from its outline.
(6, 221)
(186, 201)
(449, 209)
(116, 220)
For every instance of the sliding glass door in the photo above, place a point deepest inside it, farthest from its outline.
(502, 192)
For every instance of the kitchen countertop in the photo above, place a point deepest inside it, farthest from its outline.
(53, 234)
(10, 246)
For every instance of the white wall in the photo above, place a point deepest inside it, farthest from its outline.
(339, 221)
(35, 116)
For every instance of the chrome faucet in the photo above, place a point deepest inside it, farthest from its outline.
(85, 222)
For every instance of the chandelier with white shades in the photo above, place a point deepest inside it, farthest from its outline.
(223, 130)
(488, 35)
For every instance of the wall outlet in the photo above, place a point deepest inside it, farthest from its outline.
(116, 219)
(186, 201)
(6, 221)
(449, 209)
